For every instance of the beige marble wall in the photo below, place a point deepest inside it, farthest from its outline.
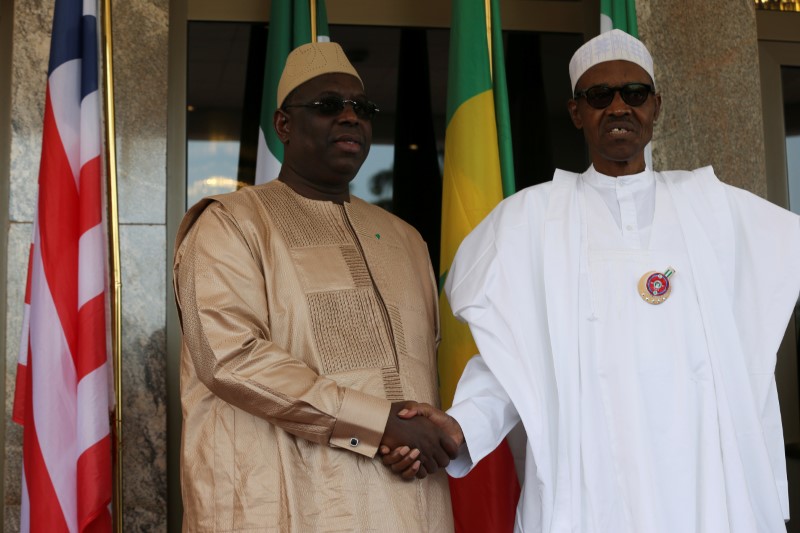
(140, 68)
(706, 67)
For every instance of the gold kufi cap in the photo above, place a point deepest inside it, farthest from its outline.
(312, 60)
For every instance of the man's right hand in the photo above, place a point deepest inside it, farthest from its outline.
(449, 424)
(436, 447)
(403, 460)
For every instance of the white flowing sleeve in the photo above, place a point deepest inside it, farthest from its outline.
(485, 413)
(768, 263)
(472, 271)
(481, 406)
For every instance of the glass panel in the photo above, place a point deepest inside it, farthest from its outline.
(790, 88)
(216, 80)
(790, 81)
(405, 72)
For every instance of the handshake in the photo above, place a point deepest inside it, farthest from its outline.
(419, 439)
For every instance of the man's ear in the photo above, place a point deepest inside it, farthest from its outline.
(281, 122)
(658, 107)
(572, 107)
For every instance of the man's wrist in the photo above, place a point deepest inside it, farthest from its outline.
(360, 423)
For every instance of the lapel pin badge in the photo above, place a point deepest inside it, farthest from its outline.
(654, 287)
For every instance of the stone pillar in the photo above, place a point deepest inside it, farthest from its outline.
(706, 68)
(140, 64)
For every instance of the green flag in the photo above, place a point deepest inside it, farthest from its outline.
(291, 23)
(620, 15)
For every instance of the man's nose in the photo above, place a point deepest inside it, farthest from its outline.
(618, 105)
(349, 111)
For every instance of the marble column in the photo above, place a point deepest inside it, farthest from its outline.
(140, 32)
(706, 68)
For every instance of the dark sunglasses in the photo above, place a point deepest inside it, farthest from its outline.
(330, 106)
(601, 96)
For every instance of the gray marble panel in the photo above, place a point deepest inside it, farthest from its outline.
(140, 69)
(19, 238)
(706, 66)
(11, 519)
(144, 520)
(140, 72)
(31, 41)
(143, 370)
(143, 252)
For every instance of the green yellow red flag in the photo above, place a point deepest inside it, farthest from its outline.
(473, 180)
(478, 172)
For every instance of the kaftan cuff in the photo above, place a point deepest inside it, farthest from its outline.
(361, 422)
(463, 413)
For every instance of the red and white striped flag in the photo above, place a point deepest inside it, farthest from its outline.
(63, 386)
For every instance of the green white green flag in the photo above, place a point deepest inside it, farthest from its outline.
(619, 15)
(291, 23)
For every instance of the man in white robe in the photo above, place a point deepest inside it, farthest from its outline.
(630, 320)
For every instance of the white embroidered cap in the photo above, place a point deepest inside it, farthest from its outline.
(609, 46)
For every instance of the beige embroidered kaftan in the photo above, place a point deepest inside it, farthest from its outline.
(302, 320)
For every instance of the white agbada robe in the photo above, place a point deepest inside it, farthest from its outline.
(640, 418)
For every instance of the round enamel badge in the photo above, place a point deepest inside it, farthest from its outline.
(654, 287)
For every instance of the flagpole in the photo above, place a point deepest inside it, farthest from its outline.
(487, 5)
(313, 10)
(116, 275)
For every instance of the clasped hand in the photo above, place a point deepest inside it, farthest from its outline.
(419, 439)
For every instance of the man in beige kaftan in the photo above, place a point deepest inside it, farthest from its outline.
(308, 316)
